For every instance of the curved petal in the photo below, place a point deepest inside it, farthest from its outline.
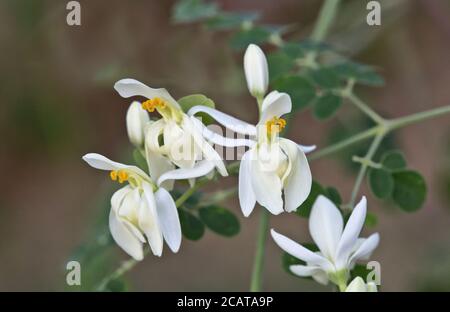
(357, 285)
(149, 220)
(307, 148)
(168, 219)
(136, 119)
(325, 226)
(124, 238)
(297, 184)
(351, 233)
(266, 186)
(365, 250)
(200, 169)
(179, 145)
(304, 270)
(228, 121)
(275, 104)
(131, 87)
(220, 140)
(300, 252)
(98, 161)
(256, 70)
(247, 198)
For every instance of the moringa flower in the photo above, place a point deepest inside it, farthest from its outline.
(256, 71)
(172, 141)
(358, 285)
(137, 118)
(340, 247)
(140, 211)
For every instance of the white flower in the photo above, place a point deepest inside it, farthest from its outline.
(273, 166)
(137, 118)
(340, 247)
(256, 70)
(358, 285)
(140, 211)
(172, 141)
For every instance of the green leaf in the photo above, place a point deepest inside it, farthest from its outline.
(302, 92)
(279, 64)
(117, 285)
(191, 226)
(410, 190)
(243, 38)
(371, 220)
(333, 194)
(326, 106)
(186, 11)
(293, 50)
(325, 78)
(140, 160)
(360, 271)
(225, 20)
(305, 209)
(220, 220)
(393, 160)
(189, 101)
(362, 74)
(381, 183)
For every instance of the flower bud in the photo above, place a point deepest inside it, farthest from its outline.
(137, 117)
(256, 70)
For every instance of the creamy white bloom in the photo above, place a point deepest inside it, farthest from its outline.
(137, 118)
(340, 247)
(140, 211)
(273, 168)
(358, 285)
(256, 70)
(173, 141)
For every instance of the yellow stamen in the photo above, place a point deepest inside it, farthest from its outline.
(113, 175)
(275, 125)
(122, 175)
(152, 104)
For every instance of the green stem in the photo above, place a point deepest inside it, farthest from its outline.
(258, 264)
(326, 17)
(364, 108)
(414, 118)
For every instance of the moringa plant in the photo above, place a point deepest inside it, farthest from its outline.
(177, 142)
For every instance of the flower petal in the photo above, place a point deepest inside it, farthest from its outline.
(256, 70)
(228, 121)
(307, 148)
(131, 87)
(247, 198)
(297, 184)
(275, 104)
(149, 220)
(124, 238)
(98, 161)
(304, 270)
(325, 226)
(357, 285)
(136, 119)
(168, 219)
(365, 250)
(351, 233)
(300, 252)
(218, 139)
(200, 169)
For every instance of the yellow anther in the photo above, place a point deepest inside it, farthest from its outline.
(152, 104)
(113, 175)
(275, 125)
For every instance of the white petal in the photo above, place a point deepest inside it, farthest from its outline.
(304, 270)
(321, 277)
(220, 140)
(297, 185)
(325, 226)
(200, 169)
(300, 252)
(168, 218)
(351, 233)
(247, 198)
(365, 250)
(307, 148)
(266, 186)
(275, 104)
(179, 145)
(98, 161)
(149, 220)
(357, 285)
(136, 119)
(256, 70)
(228, 121)
(131, 87)
(371, 287)
(124, 238)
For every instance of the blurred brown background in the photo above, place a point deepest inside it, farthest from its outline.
(57, 103)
